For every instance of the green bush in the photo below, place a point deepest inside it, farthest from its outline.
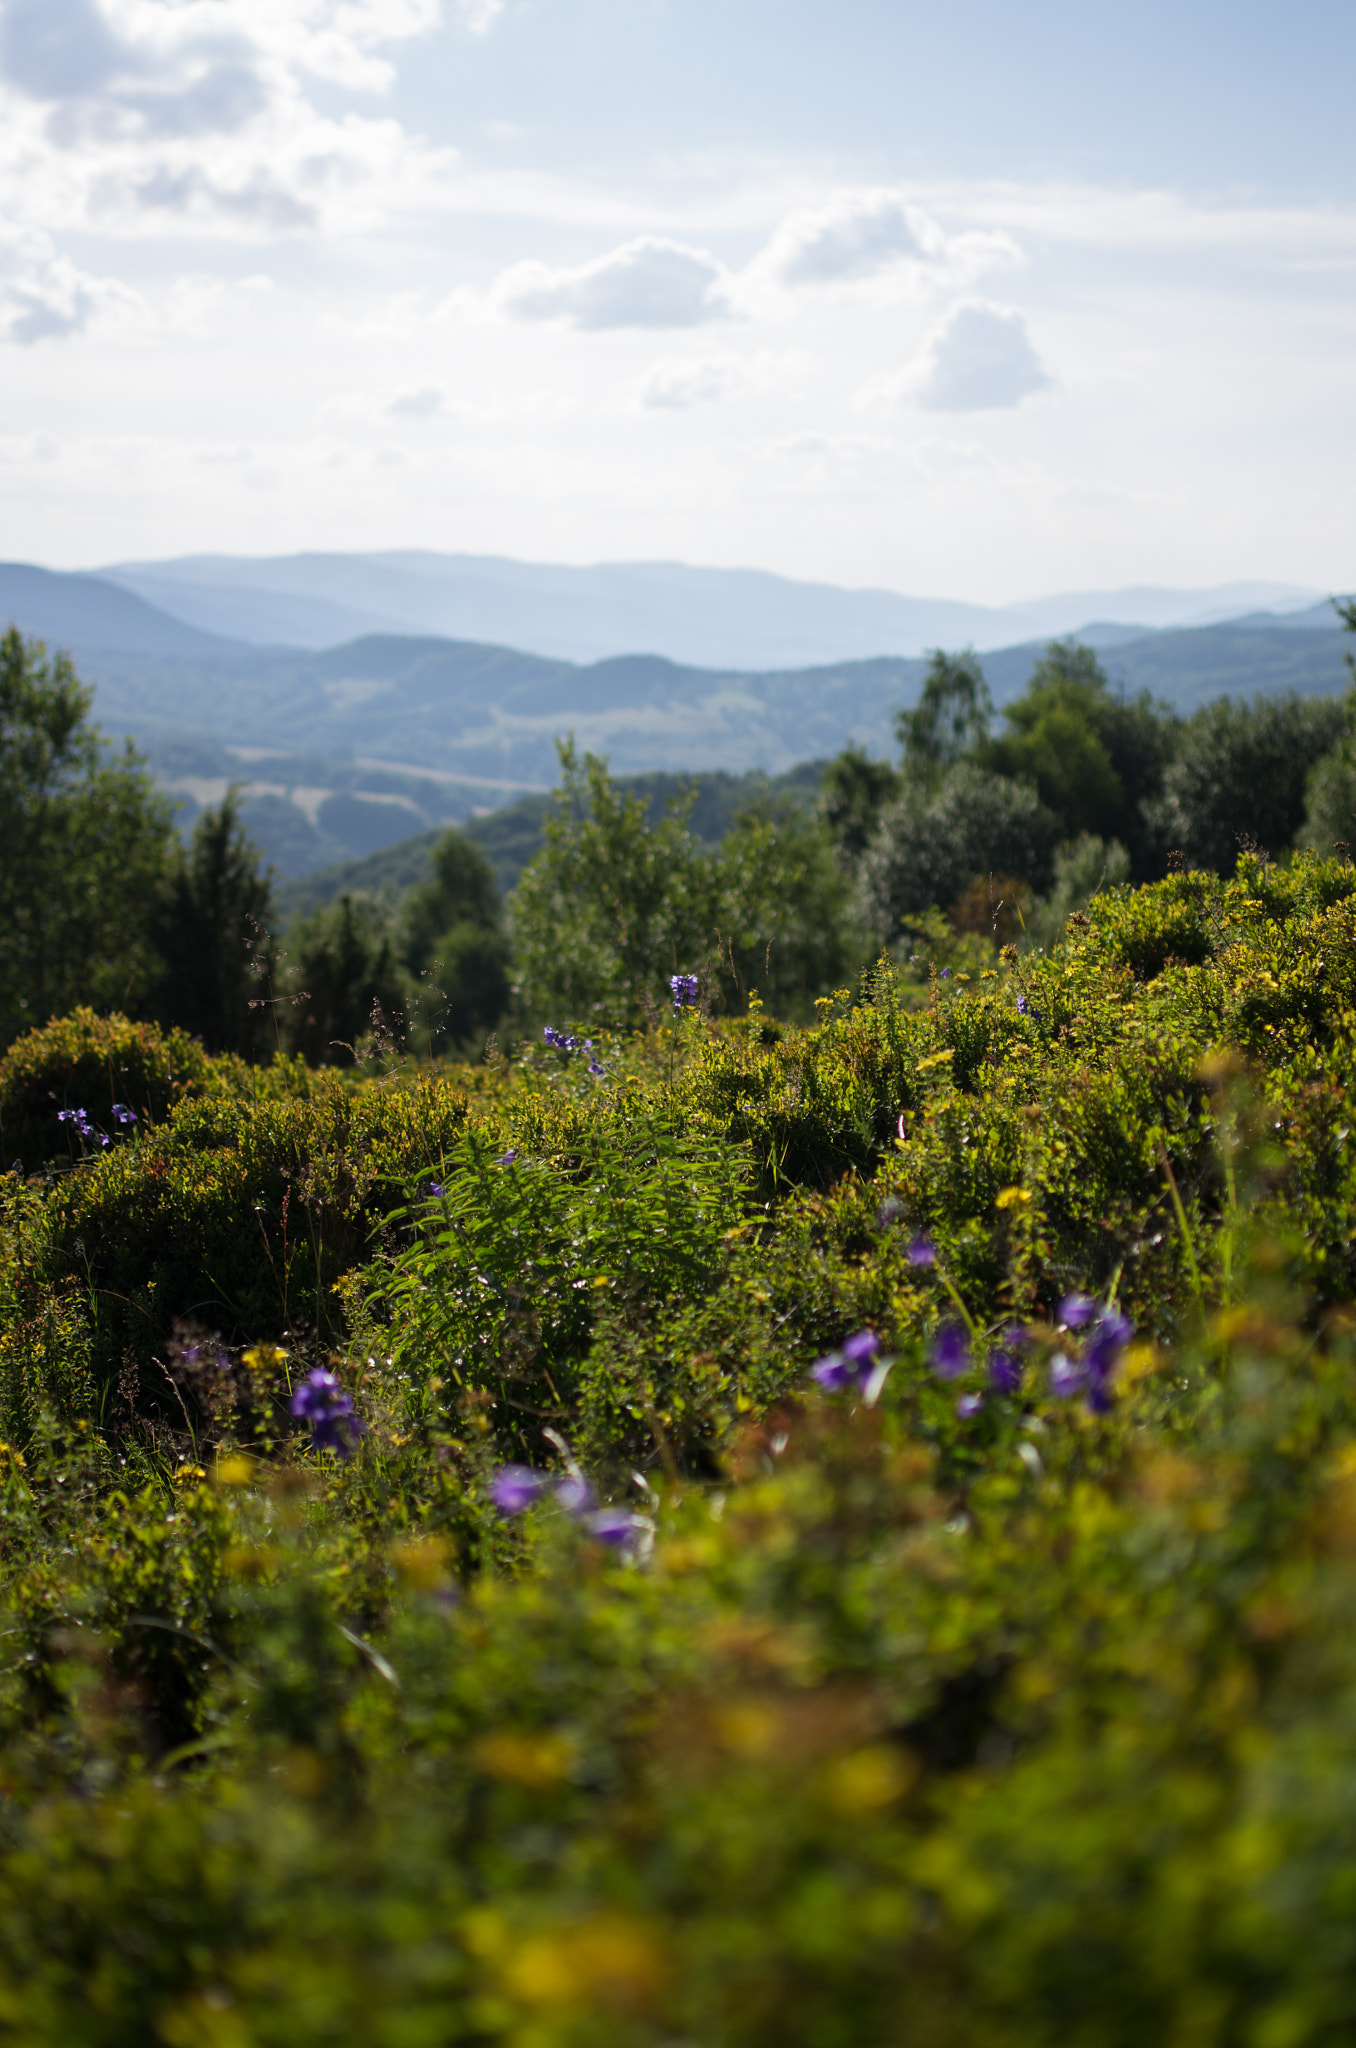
(237, 1214)
(977, 1703)
(86, 1062)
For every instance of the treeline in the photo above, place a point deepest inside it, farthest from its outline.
(985, 830)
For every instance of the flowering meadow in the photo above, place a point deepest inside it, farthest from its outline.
(722, 1535)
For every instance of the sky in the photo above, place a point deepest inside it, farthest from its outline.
(965, 300)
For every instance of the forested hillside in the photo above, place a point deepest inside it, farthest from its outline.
(753, 1446)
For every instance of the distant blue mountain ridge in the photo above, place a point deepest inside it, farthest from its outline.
(353, 747)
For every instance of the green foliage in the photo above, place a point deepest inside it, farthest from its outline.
(452, 939)
(785, 911)
(213, 937)
(459, 891)
(946, 1713)
(951, 718)
(931, 843)
(612, 905)
(1239, 776)
(239, 1211)
(854, 791)
(83, 845)
(85, 1062)
(343, 984)
(500, 1291)
(615, 905)
(1095, 761)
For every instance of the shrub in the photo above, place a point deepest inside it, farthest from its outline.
(85, 1062)
(1239, 776)
(929, 846)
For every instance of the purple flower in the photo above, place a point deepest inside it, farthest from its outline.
(596, 1069)
(122, 1114)
(851, 1367)
(321, 1401)
(922, 1252)
(1021, 1006)
(684, 989)
(1109, 1338)
(863, 1349)
(84, 1128)
(833, 1373)
(945, 972)
(968, 1406)
(515, 1488)
(614, 1525)
(950, 1352)
(563, 1041)
(1077, 1309)
(575, 1494)
(1005, 1373)
(435, 1189)
(507, 1158)
(1068, 1376)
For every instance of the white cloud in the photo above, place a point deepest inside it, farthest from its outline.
(44, 297)
(854, 235)
(678, 382)
(422, 404)
(982, 360)
(116, 114)
(650, 282)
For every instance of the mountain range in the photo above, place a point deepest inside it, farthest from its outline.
(350, 748)
(706, 618)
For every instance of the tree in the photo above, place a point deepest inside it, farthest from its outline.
(932, 843)
(213, 937)
(1094, 761)
(612, 905)
(951, 718)
(785, 911)
(1241, 777)
(344, 981)
(453, 942)
(460, 890)
(853, 793)
(84, 840)
(1330, 793)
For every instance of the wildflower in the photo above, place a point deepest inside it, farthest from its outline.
(84, 1128)
(575, 1494)
(1068, 1376)
(1076, 1310)
(968, 1406)
(435, 1189)
(562, 1041)
(851, 1367)
(1021, 1006)
(515, 1488)
(862, 1349)
(122, 1114)
(950, 1352)
(1112, 1333)
(922, 1252)
(507, 1158)
(1005, 1373)
(684, 988)
(615, 1525)
(833, 1373)
(321, 1401)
